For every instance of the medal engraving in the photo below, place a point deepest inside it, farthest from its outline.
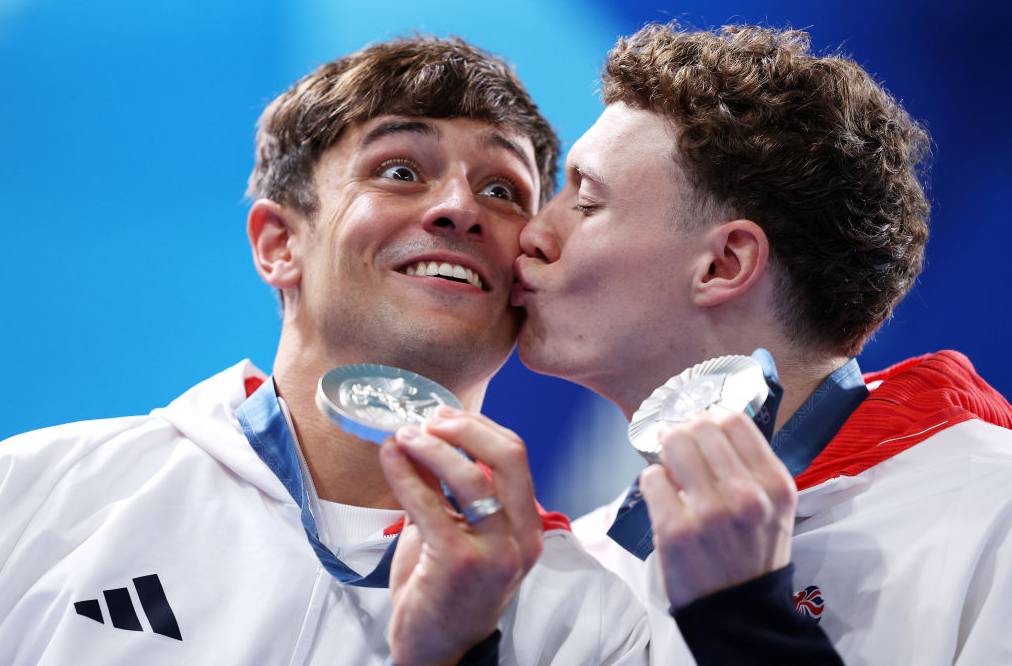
(695, 397)
(387, 402)
(733, 383)
(372, 401)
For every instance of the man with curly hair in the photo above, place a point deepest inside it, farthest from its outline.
(740, 192)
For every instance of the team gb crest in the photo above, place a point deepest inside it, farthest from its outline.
(809, 602)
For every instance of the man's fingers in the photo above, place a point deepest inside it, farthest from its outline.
(465, 479)
(686, 465)
(425, 505)
(505, 454)
(747, 439)
(663, 499)
(756, 453)
(483, 440)
(717, 449)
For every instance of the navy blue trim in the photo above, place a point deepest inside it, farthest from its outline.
(265, 427)
(817, 421)
(766, 418)
(797, 444)
(631, 528)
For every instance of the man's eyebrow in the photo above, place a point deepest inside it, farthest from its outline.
(397, 127)
(497, 140)
(588, 173)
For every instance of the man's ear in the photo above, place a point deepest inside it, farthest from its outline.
(735, 258)
(271, 231)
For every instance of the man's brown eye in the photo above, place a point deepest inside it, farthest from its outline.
(499, 190)
(400, 172)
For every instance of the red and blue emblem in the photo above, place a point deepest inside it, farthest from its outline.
(809, 602)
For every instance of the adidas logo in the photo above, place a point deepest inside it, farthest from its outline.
(121, 608)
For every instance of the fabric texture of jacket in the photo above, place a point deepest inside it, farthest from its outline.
(115, 530)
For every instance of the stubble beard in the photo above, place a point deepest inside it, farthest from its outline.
(386, 336)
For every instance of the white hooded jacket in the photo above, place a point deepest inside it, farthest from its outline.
(903, 537)
(114, 530)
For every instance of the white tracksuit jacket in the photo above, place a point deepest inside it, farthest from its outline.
(904, 526)
(171, 526)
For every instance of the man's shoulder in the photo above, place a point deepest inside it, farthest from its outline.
(966, 466)
(201, 402)
(968, 449)
(80, 436)
(909, 405)
(88, 462)
(195, 429)
(972, 458)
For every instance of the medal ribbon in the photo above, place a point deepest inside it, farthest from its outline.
(264, 425)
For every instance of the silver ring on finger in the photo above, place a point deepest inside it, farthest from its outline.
(481, 508)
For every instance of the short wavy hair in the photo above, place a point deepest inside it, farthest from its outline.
(811, 148)
(417, 76)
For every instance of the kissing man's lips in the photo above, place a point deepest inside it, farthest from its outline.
(522, 287)
(518, 295)
(519, 272)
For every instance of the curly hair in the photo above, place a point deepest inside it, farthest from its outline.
(809, 147)
(417, 76)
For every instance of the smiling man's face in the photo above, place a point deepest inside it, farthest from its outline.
(409, 261)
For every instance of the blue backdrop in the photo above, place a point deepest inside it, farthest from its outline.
(127, 138)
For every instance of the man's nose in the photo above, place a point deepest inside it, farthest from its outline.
(454, 210)
(538, 238)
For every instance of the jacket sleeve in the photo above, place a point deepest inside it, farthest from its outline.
(754, 623)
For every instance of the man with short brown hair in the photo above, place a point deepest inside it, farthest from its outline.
(238, 524)
(388, 78)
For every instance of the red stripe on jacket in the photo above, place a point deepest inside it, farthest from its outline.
(916, 399)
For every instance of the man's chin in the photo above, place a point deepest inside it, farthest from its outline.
(532, 352)
(446, 353)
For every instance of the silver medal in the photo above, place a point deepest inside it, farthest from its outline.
(733, 383)
(372, 401)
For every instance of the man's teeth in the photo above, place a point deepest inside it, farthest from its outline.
(446, 270)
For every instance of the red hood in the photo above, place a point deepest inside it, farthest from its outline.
(916, 399)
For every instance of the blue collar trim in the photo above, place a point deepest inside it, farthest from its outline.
(265, 427)
(797, 444)
(817, 421)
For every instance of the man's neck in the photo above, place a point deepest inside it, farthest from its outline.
(345, 468)
(800, 378)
